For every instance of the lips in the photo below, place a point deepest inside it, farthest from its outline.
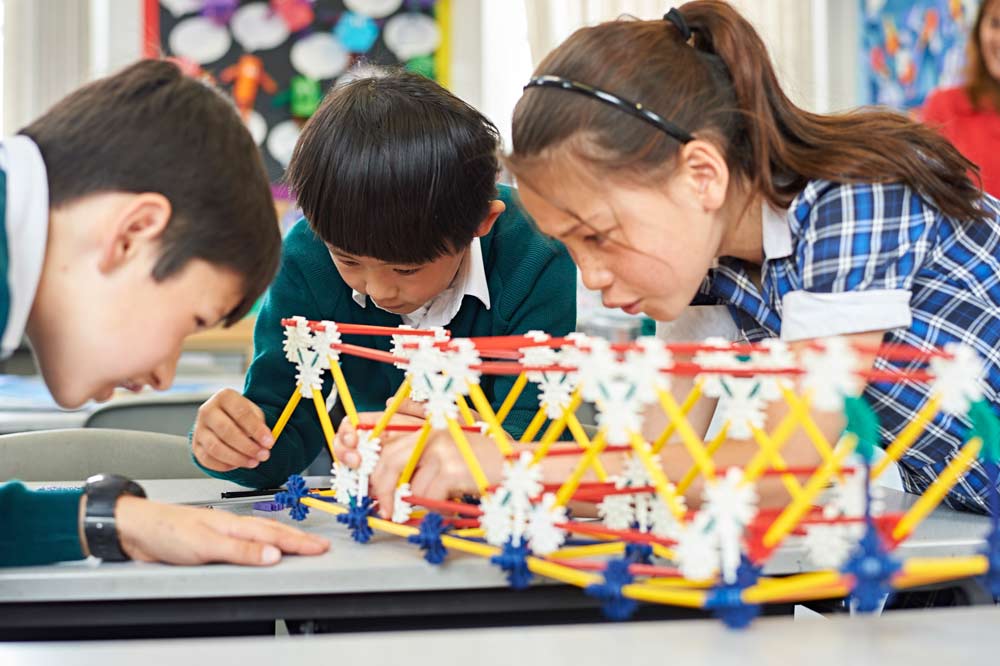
(629, 308)
(632, 308)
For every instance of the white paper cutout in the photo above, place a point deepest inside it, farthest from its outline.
(257, 126)
(373, 8)
(199, 39)
(411, 34)
(281, 141)
(257, 28)
(319, 56)
(181, 7)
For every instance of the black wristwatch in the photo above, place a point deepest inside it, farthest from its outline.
(99, 528)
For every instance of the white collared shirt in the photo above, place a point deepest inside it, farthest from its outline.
(470, 280)
(27, 228)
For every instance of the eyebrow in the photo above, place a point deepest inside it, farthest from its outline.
(580, 222)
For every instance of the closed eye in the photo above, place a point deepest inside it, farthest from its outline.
(406, 271)
(595, 239)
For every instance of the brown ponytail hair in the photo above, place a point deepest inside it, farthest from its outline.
(982, 88)
(722, 87)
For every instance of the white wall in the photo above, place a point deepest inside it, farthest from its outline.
(45, 55)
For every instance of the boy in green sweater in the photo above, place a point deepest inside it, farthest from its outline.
(404, 224)
(134, 213)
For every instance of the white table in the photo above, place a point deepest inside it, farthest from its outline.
(383, 579)
(914, 638)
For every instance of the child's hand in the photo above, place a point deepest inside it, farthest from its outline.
(416, 409)
(345, 444)
(155, 532)
(441, 472)
(230, 432)
(410, 407)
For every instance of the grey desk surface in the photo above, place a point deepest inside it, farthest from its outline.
(387, 564)
(914, 638)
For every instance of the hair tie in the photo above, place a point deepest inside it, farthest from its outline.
(677, 19)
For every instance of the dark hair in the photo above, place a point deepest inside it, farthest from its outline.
(722, 87)
(148, 128)
(396, 168)
(982, 88)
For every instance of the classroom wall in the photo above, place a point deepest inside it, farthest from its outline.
(45, 54)
(51, 46)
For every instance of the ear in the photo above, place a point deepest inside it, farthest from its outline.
(497, 207)
(705, 172)
(137, 223)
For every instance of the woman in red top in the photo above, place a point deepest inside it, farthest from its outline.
(969, 115)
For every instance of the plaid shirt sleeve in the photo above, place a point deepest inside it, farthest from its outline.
(858, 248)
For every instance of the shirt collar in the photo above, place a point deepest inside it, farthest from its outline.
(27, 228)
(470, 280)
(777, 235)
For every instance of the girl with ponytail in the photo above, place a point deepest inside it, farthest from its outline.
(686, 185)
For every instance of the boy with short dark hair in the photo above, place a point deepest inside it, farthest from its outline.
(404, 224)
(134, 213)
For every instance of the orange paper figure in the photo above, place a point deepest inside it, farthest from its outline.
(248, 76)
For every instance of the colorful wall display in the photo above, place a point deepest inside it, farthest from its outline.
(277, 58)
(909, 47)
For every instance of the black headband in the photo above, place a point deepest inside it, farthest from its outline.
(632, 108)
(674, 16)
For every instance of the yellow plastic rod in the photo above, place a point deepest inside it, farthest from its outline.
(401, 394)
(689, 402)
(576, 429)
(324, 421)
(499, 435)
(468, 456)
(512, 396)
(286, 413)
(692, 473)
(659, 479)
(659, 595)
(593, 550)
(418, 450)
(570, 485)
(907, 436)
(536, 424)
(345, 393)
(693, 443)
(937, 490)
(793, 513)
(463, 409)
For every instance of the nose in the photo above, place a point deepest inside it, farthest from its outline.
(163, 374)
(380, 290)
(594, 276)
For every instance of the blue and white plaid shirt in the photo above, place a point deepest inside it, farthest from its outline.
(853, 258)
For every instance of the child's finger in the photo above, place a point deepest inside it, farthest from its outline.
(385, 478)
(411, 408)
(347, 434)
(285, 537)
(345, 445)
(229, 433)
(210, 461)
(216, 449)
(429, 482)
(248, 416)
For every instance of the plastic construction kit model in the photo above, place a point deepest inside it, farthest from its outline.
(649, 546)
